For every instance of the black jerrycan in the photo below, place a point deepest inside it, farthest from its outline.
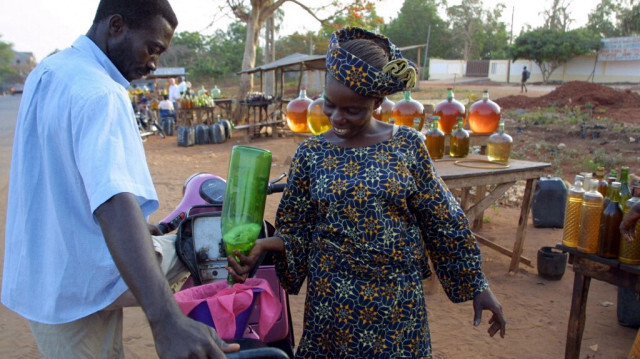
(549, 202)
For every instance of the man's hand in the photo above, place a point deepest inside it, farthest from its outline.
(188, 338)
(486, 300)
(240, 271)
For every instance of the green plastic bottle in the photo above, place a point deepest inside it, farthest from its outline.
(245, 198)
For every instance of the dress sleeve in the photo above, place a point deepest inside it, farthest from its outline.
(295, 222)
(445, 231)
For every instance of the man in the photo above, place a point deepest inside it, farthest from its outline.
(174, 91)
(77, 243)
(523, 81)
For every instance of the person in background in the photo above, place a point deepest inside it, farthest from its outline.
(628, 231)
(78, 249)
(183, 86)
(165, 104)
(174, 92)
(362, 208)
(523, 80)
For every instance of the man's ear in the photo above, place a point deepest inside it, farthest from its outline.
(117, 25)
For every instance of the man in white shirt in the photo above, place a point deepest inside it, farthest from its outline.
(174, 91)
(79, 248)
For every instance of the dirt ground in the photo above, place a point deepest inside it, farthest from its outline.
(537, 310)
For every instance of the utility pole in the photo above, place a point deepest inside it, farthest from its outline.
(426, 52)
(513, 9)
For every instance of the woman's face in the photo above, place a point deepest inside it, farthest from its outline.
(349, 112)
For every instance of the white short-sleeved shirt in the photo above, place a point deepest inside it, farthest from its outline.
(76, 145)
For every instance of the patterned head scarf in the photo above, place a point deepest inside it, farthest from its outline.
(397, 75)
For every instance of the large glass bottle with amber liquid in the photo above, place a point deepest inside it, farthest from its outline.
(406, 110)
(449, 110)
(609, 239)
(630, 247)
(459, 140)
(590, 214)
(573, 208)
(317, 121)
(297, 112)
(499, 145)
(384, 111)
(435, 139)
(484, 115)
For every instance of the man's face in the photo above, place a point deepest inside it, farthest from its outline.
(135, 52)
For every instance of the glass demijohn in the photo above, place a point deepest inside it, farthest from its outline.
(590, 214)
(499, 145)
(484, 115)
(459, 141)
(407, 109)
(384, 111)
(317, 121)
(297, 112)
(449, 110)
(435, 140)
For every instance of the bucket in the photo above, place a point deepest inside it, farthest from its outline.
(628, 308)
(551, 263)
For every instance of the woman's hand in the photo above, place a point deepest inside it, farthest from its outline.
(240, 271)
(486, 300)
(628, 224)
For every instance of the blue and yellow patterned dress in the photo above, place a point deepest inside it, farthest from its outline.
(356, 222)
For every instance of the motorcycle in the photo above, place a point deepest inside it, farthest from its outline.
(200, 247)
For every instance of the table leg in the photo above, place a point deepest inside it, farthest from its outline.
(577, 316)
(522, 224)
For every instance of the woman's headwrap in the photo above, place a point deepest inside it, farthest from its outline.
(397, 75)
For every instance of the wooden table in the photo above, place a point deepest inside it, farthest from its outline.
(195, 115)
(585, 267)
(223, 106)
(497, 181)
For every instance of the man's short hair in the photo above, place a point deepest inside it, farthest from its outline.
(136, 13)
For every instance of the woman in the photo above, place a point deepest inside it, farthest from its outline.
(362, 205)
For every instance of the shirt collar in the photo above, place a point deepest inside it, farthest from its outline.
(85, 45)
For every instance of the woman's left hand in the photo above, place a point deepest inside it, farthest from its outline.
(486, 300)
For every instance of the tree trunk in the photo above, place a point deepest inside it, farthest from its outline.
(269, 55)
(249, 59)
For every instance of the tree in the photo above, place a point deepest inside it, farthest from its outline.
(557, 17)
(477, 29)
(549, 49)
(601, 19)
(8, 73)
(411, 27)
(629, 20)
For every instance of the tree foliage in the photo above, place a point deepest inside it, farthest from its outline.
(612, 18)
(8, 73)
(557, 17)
(549, 49)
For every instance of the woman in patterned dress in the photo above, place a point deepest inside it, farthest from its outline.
(362, 209)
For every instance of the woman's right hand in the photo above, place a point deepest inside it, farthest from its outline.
(240, 271)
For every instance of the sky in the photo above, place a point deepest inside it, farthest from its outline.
(42, 26)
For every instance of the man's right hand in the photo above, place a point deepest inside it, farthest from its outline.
(187, 338)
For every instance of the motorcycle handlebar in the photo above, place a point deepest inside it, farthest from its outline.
(278, 187)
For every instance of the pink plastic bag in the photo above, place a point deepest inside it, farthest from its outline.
(230, 307)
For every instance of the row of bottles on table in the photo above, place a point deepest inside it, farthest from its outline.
(498, 145)
(484, 114)
(594, 211)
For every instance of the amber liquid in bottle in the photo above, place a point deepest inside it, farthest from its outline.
(630, 249)
(609, 240)
(317, 121)
(590, 214)
(384, 111)
(459, 141)
(603, 185)
(435, 140)
(406, 110)
(499, 145)
(484, 115)
(449, 110)
(297, 113)
(571, 226)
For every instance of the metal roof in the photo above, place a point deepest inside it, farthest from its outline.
(307, 62)
(168, 72)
